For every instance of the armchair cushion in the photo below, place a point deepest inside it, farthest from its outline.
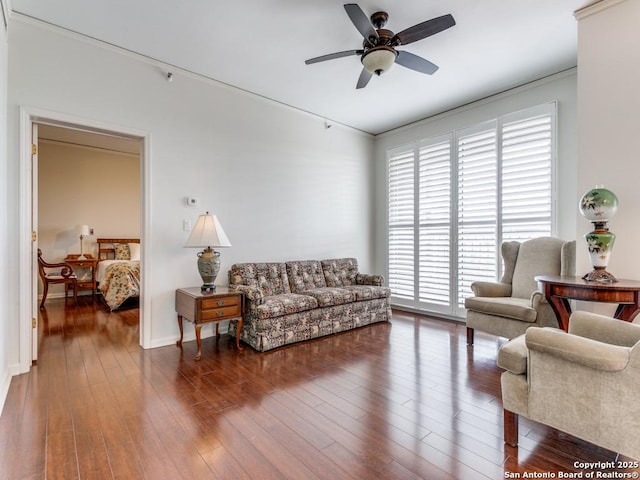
(508, 307)
(604, 329)
(512, 356)
(539, 256)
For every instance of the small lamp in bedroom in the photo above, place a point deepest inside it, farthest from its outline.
(82, 231)
(208, 233)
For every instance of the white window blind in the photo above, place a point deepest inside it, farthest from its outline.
(401, 223)
(527, 149)
(477, 207)
(434, 184)
(454, 199)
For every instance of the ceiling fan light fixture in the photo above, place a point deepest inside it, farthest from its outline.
(379, 59)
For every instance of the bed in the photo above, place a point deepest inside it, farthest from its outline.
(118, 272)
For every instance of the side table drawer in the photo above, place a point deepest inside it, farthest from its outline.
(80, 264)
(230, 311)
(220, 302)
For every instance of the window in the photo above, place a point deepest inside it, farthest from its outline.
(454, 199)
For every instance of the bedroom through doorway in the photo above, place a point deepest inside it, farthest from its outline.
(88, 183)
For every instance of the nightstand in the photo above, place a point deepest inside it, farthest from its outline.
(89, 263)
(205, 307)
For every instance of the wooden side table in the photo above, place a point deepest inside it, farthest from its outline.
(558, 290)
(89, 263)
(205, 307)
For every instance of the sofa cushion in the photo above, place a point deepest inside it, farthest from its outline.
(328, 296)
(508, 307)
(270, 278)
(305, 275)
(340, 272)
(284, 304)
(367, 292)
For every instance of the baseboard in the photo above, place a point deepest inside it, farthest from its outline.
(6, 383)
(208, 330)
(61, 295)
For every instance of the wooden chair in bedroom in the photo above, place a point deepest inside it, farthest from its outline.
(63, 275)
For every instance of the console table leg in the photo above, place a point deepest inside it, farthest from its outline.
(239, 331)
(179, 342)
(199, 354)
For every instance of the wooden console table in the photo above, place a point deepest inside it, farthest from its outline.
(205, 307)
(558, 290)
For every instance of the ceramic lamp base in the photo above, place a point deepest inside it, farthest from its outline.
(599, 274)
(208, 267)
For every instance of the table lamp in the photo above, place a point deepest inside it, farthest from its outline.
(82, 231)
(208, 233)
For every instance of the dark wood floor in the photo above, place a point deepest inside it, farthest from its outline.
(400, 400)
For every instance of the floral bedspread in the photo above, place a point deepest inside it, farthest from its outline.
(121, 281)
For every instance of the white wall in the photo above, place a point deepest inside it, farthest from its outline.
(608, 124)
(283, 186)
(80, 185)
(5, 319)
(561, 87)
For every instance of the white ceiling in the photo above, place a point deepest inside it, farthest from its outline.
(261, 48)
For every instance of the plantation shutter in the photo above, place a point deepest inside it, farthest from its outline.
(435, 223)
(527, 152)
(454, 199)
(477, 207)
(401, 223)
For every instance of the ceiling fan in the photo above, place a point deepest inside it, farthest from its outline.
(378, 52)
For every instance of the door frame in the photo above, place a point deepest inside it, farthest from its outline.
(29, 116)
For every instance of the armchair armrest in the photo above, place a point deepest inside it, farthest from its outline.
(491, 289)
(604, 329)
(536, 299)
(366, 279)
(575, 349)
(253, 294)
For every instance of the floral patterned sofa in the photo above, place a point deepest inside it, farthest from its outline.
(294, 301)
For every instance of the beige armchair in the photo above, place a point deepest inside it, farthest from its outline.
(508, 308)
(584, 382)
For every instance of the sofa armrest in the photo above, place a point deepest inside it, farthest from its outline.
(575, 349)
(491, 289)
(604, 329)
(366, 279)
(253, 294)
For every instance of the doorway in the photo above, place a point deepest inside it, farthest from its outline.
(74, 127)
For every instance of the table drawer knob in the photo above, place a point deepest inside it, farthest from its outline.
(220, 303)
(220, 313)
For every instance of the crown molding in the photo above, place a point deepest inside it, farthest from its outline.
(594, 8)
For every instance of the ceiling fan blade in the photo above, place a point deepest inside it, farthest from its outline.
(423, 30)
(360, 21)
(364, 78)
(414, 62)
(331, 56)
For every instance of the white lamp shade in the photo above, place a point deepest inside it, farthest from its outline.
(378, 59)
(82, 230)
(207, 232)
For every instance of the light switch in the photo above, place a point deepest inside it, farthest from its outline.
(186, 225)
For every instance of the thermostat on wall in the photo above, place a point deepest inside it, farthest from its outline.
(191, 201)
